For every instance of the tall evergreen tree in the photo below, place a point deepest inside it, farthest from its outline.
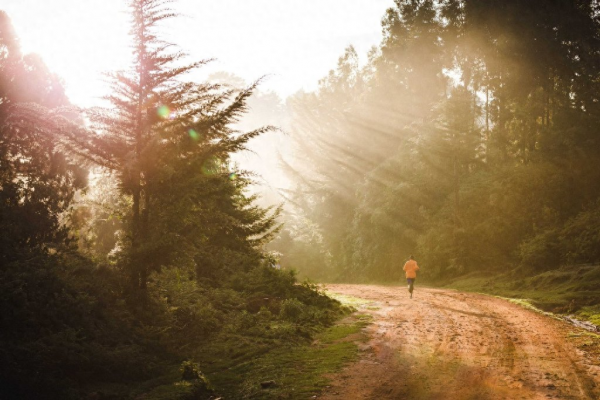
(160, 129)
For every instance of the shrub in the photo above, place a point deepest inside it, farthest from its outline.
(291, 310)
(190, 371)
(541, 252)
(581, 237)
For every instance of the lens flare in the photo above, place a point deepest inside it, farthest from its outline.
(193, 135)
(206, 170)
(208, 167)
(163, 112)
(232, 176)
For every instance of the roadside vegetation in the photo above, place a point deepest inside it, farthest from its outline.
(134, 263)
(132, 260)
(567, 290)
(469, 139)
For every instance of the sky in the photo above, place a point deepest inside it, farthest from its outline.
(294, 42)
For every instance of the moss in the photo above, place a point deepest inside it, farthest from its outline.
(590, 313)
(348, 301)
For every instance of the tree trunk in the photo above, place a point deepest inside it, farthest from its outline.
(139, 191)
(135, 228)
(487, 111)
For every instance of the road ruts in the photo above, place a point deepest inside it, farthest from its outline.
(449, 345)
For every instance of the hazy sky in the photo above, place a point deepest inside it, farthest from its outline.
(295, 41)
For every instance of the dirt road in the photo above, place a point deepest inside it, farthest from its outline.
(449, 345)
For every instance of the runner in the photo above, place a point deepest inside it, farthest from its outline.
(411, 269)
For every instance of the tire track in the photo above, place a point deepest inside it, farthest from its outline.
(453, 346)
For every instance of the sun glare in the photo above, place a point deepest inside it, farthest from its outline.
(79, 40)
(294, 42)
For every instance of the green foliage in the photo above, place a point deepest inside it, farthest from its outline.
(38, 183)
(566, 290)
(67, 325)
(37, 179)
(171, 220)
(542, 251)
(291, 310)
(299, 371)
(190, 371)
(580, 237)
(576, 242)
(64, 325)
(467, 140)
(168, 143)
(591, 314)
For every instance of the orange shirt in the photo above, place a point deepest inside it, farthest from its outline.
(411, 269)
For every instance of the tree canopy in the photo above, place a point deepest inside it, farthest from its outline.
(468, 139)
(129, 245)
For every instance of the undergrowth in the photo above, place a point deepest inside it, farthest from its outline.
(288, 355)
(70, 331)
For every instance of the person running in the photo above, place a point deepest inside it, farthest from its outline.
(411, 268)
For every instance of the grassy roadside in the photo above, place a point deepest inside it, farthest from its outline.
(236, 365)
(298, 372)
(587, 342)
(568, 290)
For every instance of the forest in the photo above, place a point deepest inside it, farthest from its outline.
(129, 247)
(136, 257)
(469, 139)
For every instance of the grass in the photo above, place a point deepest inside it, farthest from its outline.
(586, 341)
(568, 290)
(298, 371)
(591, 335)
(179, 390)
(349, 301)
(527, 304)
(591, 314)
(236, 365)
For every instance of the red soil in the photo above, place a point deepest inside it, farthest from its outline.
(449, 345)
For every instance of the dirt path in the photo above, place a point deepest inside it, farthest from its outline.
(456, 346)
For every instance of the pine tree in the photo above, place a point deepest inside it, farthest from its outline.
(158, 130)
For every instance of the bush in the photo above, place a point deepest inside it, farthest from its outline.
(68, 324)
(581, 237)
(62, 326)
(291, 310)
(541, 252)
(190, 371)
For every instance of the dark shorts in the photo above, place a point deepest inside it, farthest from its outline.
(410, 281)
